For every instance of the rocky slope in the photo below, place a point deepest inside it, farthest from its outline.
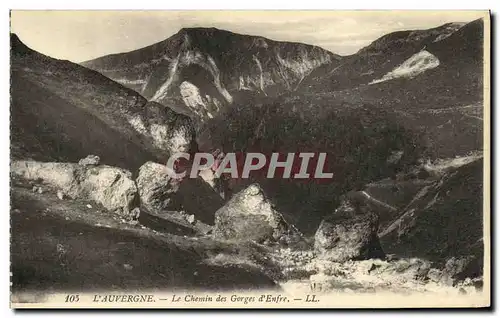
(62, 111)
(206, 69)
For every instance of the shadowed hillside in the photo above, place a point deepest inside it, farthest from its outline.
(63, 111)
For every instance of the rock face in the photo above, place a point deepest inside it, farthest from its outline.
(348, 235)
(249, 216)
(205, 68)
(170, 132)
(155, 187)
(111, 187)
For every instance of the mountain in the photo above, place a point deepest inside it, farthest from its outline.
(206, 69)
(431, 80)
(61, 111)
(378, 58)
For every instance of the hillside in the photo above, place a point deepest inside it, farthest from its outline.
(62, 111)
(430, 80)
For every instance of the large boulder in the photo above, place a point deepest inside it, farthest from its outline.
(348, 234)
(156, 187)
(160, 194)
(249, 215)
(111, 187)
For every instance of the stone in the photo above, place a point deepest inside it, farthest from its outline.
(191, 218)
(347, 235)
(156, 187)
(111, 187)
(249, 215)
(90, 160)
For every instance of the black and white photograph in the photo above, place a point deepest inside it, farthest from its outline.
(249, 159)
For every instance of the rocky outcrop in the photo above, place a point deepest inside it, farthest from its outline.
(348, 235)
(156, 187)
(169, 131)
(111, 187)
(249, 216)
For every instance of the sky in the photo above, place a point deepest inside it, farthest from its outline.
(82, 35)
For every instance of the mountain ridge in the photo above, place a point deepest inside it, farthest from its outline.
(205, 69)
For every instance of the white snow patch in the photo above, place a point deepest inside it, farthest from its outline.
(415, 65)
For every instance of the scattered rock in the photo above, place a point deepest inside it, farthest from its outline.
(249, 216)
(128, 267)
(90, 160)
(89, 206)
(191, 218)
(40, 190)
(346, 235)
